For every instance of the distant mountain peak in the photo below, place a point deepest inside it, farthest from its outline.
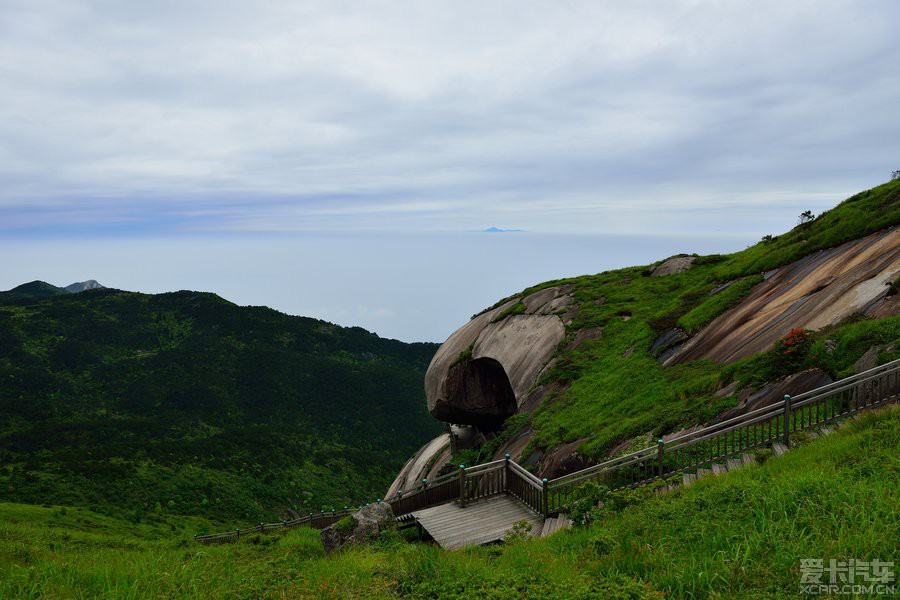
(37, 290)
(499, 230)
(81, 286)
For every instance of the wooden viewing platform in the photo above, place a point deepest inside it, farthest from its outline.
(483, 522)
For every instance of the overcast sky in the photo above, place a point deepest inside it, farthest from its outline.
(148, 122)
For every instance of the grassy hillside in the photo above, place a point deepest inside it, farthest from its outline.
(738, 535)
(185, 403)
(601, 400)
(34, 290)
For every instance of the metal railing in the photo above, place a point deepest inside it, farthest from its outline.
(768, 425)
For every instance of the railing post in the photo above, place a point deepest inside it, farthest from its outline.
(787, 420)
(506, 473)
(660, 449)
(545, 498)
(462, 486)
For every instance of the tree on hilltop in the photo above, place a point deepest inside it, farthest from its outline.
(806, 216)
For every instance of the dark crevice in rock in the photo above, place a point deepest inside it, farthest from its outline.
(478, 393)
(668, 340)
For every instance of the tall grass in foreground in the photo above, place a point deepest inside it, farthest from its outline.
(739, 535)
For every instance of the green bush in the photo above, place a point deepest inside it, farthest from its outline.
(516, 309)
(347, 525)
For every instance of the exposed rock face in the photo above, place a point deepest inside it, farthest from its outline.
(666, 341)
(670, 266)
(485, 370)
(869, 360)
(819, 290)
(773, 392)
(82, 286)
(369, 522)
(584, 335)
(563, 460)
(421, 464)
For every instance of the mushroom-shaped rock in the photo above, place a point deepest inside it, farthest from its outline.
(484, 371)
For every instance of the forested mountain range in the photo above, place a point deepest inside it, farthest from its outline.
(188, 403)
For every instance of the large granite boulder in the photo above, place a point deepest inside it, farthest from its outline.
(361, 527)
(485, 369)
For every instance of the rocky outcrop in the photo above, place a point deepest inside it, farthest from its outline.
(421, 465)
(819, 290)
(361, 527)
(773, 392)
(667, 343)
(485, 370)
(564, 459)
(869, 360)
(83, 286)
(673, 265)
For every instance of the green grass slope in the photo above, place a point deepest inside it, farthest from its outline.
(601, 400)
(738, 535)
(185, 403)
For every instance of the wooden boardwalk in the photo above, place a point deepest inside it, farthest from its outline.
(478, 523)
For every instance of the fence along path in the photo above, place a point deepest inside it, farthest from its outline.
(769, 425)
(319, 520)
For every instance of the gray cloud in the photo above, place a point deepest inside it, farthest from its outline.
(566, 116)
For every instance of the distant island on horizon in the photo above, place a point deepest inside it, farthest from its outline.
(498, 230)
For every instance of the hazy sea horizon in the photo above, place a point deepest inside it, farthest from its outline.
(408, 286)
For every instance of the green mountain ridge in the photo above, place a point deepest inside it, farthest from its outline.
(183, 401)
(38, 290)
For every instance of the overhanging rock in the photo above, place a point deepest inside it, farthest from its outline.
(485, 369)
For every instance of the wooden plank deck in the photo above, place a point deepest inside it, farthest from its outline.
(478, 523)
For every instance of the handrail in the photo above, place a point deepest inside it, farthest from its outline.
(525, 474)
(677, 443)
(836, 390)
(324, 518)
(715, 432)
(799, 400)
(767, 424)
(430, 483)
(475, 469)
(827, 388)
(727, 423)
(604, 465)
